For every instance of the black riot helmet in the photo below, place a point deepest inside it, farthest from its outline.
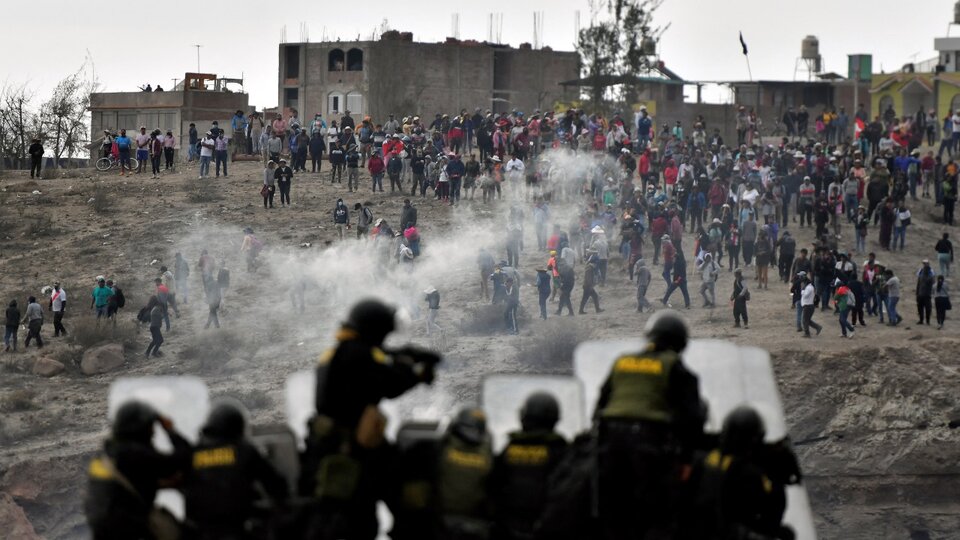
(667, 330)
(134, 422)
(470, 425)
(372, 320)
(227, 421)
(540, 412)
(742, 431)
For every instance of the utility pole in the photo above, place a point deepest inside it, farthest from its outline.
(198, 57)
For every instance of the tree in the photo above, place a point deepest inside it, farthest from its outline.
(64, 116)
(18, 122)
(616, 44)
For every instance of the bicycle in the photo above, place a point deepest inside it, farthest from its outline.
(110, 162)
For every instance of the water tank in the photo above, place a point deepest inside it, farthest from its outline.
(810, 48)
(956, 13)
(649, 46)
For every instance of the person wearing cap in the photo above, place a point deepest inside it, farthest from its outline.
(169, 147)
(924, 292)
(106, 144)
(100, 297)
(143, 149)
(207, 145)
(269, 184)
(58, 305)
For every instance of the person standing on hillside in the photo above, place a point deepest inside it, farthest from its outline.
(590, 275)
(892, 287)
(143, 149)
(924, 290)
(941, 299)
(207, 145)
(341, 218)
(284, 178)
(808, 303)
(156, 314)
(101, 293)
(11, 326)
(34, 321)
(58, 305)
(181, 271)
(220, 146)
(36, 157)
(543, 290)
(739, 298)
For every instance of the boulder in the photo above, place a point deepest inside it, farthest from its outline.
(102, 359)
(47, 367)
(15, 522)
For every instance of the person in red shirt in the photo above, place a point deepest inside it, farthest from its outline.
(658, 227)
(376, 168)
(670, 177)
(163, 295)
(927, 165)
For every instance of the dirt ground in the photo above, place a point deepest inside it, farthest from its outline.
(869, 415)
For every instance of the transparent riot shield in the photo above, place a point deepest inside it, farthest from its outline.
(185, 400)
(730, 375)
(278, 444)
(503, 396)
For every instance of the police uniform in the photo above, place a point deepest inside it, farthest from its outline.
(220, 489)
(344, 466)
(520, 481)
(731, 497)
(650, 419)
(463, 481)
(123, 481)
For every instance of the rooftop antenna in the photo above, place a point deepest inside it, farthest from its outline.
(455, 25)
(198, 57)
(283, 34)
(499, 28)
(490, 28)
(536, 39)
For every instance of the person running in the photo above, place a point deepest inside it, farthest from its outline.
(155, 313)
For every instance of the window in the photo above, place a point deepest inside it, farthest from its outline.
(291, 97)
(127, 121)
(335, 60)
(885, 103)
(292, 61)
(355, 103)
(335, 103)
(354, 60)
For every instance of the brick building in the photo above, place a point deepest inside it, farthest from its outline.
(397, 75)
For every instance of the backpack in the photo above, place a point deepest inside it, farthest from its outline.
(117, 298)
(144, 314)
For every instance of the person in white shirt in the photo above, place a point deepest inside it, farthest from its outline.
(206, 154)
(709, 272)
(514, 172)
(807, 304)
(58, 305)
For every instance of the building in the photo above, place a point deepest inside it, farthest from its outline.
(397, 75)
(933, 84)
(200, 98)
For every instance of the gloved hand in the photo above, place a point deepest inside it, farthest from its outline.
(413, 355)
(424, 371)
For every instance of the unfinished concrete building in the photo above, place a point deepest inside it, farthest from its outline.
(200, 98)
(396, 75)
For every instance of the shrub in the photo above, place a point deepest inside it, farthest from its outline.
(87, 331)
(203, 191)
(213, 349)
(550, 350)
(102, 199)
(18, 400)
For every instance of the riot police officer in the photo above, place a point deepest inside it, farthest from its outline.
(730, 493)
(221, 487)
(463, 478)
(343, 465)
(125, 477)
(650, 420)
(522, 469)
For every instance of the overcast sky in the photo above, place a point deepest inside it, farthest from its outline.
(131, 45)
